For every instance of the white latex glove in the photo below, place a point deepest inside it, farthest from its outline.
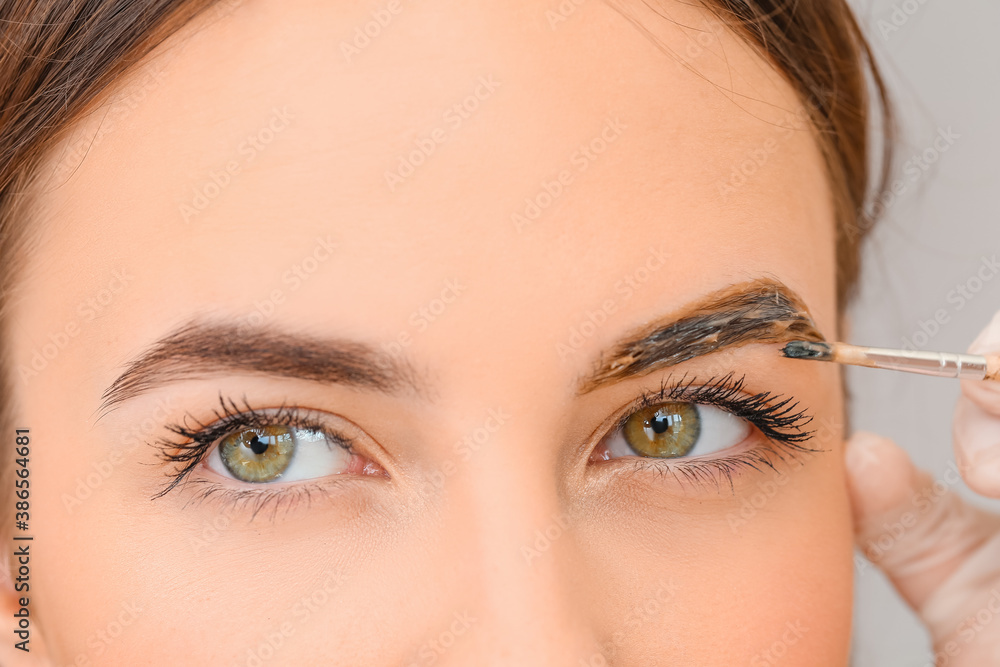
(942, 554)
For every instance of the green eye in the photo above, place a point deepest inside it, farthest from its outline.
(667, 430)
(258, 454)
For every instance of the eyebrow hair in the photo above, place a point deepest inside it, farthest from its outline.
(757, 311)
(754, 311)
(201, 347)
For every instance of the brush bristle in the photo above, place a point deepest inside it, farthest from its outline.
(803, 349)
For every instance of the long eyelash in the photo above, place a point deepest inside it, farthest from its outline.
(778, 419)
(198, 439)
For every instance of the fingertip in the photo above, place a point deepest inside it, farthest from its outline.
(976, 435)
(988, 340)
(984, 479)
(880, 473)
(869, 453)
(985, 393)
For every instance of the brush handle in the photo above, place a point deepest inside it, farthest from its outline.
(939, 364)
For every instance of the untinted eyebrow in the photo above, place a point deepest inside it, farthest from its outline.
(757, 311)
(200, 348)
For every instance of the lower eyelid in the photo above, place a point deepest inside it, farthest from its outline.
(234, 497)
(756, 455)
(270, 500)
(753, 439)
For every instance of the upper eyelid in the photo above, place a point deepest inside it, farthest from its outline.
(667, 393)
(233, 417)
(290, 415)
(232, 413)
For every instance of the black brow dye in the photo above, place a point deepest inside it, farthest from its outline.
(758, 311)
(799, 349)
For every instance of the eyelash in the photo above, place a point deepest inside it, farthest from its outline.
(198, 441)
(775, 417)
(778, 419)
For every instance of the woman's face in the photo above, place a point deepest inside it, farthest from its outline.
(429, 228)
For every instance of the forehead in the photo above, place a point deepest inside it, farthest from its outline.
(422, 174)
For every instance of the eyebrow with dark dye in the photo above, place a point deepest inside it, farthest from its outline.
(199, 348)
(758, 311)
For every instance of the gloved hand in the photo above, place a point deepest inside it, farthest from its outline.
(941, 554)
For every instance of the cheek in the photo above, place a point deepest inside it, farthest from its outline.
(764, 573)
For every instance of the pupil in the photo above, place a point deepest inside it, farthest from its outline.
(258, 447)
(662, 423)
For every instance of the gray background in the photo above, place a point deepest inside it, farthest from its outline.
(943, 65)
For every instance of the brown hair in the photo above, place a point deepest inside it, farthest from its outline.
(60, 56)
(819, 46)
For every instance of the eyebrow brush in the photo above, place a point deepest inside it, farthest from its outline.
(939, 364)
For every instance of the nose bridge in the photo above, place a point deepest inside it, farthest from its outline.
(524, 558)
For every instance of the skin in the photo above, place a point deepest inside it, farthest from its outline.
(460, 572)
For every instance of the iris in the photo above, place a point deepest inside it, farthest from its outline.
(258, 454)
(665, 431)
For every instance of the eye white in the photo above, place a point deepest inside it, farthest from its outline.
(314, 456)
(720, 430)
